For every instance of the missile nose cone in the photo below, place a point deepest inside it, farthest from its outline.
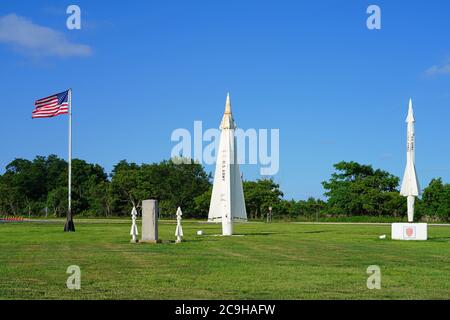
(228, 104)
(227, 119)
(410, 117)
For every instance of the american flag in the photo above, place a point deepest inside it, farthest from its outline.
(52, 106)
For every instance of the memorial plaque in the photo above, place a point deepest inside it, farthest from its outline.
(150, 214)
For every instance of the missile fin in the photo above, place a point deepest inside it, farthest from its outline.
(410, 185)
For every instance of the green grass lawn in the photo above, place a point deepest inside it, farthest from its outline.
(271, 261)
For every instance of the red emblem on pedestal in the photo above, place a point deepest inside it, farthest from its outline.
(409, 232)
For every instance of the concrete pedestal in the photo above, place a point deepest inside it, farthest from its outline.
(227, 227)
(409, 231)
(150, 214)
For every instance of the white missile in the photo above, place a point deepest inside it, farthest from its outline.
(410, 185)
(134, 229)
(227, 199)
(179, 230)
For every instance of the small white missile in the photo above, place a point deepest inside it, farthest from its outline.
(134, 229)
(410, 185)
(179, 229)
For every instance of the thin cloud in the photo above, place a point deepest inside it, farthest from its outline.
(439, 69)
(32, 39)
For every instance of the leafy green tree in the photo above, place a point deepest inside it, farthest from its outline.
(436, 200)
(57, 201)
(27, 183)
(174, 184)
(56, 170)
(357, 189)
(101, 199)
(7, 206)
(85, 178)
(126, 187)
(308, 208)
(280, 209)
(31, 186)
(260, 195)
(201, 204)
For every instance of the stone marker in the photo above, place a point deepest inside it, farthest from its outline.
(150, 214)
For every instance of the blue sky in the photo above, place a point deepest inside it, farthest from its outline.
(335, 90)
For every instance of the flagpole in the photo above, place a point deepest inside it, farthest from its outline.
(69, 227)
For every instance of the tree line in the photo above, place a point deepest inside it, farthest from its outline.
(38, 187)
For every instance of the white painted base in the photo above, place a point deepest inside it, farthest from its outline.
(409, 231)
(227, 227)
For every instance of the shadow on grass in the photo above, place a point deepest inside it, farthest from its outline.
(439, 239)
(258, 234)
(317, 231)
(277, 233)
